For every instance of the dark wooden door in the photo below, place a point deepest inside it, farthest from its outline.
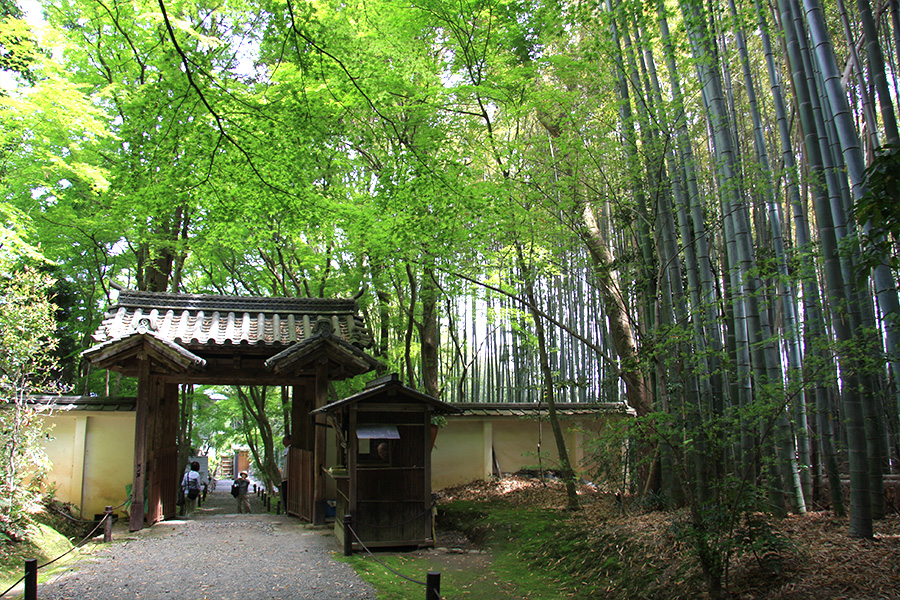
(300, 483)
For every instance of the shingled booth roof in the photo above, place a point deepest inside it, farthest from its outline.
(390, 387)
(194, 332)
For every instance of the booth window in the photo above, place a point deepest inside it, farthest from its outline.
(376, 443)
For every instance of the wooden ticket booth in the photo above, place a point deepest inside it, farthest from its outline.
(383, 477)
(169, 339)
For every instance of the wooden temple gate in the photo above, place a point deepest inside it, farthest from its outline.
(169, 339)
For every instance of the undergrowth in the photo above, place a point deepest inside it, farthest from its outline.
(41, 542)
(48, 534)
(582, 560)
(550, 554)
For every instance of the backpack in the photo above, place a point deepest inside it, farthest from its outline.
(235, 489)
(193, 490)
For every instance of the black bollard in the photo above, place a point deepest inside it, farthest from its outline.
(433, 586)
(107, 524)
(31, 579)
(278, 507)
(348, 543)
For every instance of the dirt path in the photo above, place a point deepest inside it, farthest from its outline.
(214, 554)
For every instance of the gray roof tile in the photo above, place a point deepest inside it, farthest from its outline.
(193, 320)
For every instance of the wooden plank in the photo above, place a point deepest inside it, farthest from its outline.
(319, 475)
(153, 453)
(169, 459)
(233, 377)
(426, 472)
(295, 474)
(394, 407)
(352, 466)
(304, 400)
(300, 484)
(136, 521)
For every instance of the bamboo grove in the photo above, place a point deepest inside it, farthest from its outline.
(689, 207)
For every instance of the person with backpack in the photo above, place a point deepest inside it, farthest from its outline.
(190, 487)
(241, 487)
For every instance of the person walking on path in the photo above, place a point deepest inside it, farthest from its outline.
(243, 497)
(190, 487)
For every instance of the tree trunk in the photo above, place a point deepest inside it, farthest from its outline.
(253, 402)
(429, 333)
(547, 384)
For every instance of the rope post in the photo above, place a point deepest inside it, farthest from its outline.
(348, 541)
(278, 507)
(107, 524)
(433, 586)
(31, 570)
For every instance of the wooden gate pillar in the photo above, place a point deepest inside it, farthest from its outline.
(142, 410)
(155, 474)
(169, 440)
(301, 453)
(319, 494)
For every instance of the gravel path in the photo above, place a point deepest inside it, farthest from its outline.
(214, 554)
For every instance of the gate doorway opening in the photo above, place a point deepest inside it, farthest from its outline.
(169, 339)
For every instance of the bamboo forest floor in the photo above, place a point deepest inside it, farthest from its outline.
(631, 553)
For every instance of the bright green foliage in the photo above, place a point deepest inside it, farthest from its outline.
(27, 366)
(18, 48)
(480, 171)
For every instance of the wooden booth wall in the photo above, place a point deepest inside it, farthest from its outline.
(393, 497)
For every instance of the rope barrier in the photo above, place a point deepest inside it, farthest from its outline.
(74, 547)
(127, 500)
(69, 517)
(76, 520)
(21, 579)
(388, 567)
(73, 566)
(435, 595)
(79, 544)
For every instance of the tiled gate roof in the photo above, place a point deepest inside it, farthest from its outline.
(201, 320)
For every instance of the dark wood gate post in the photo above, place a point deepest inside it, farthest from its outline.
(319, 499)
(140, 444)
(171, 478)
